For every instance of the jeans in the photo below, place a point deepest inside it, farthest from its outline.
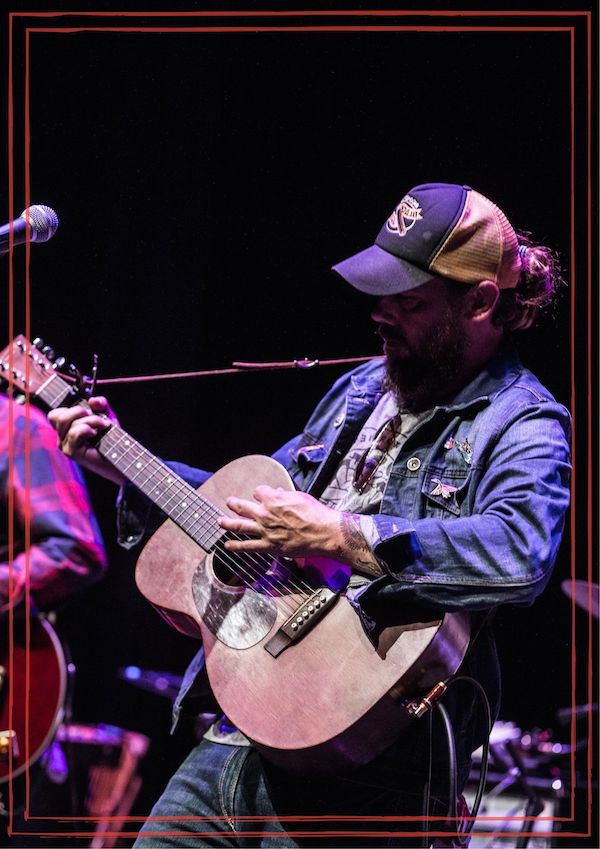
(248, 803)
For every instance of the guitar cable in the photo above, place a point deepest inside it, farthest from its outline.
(452, 815)
(485, 749)
(452, 772)
(452, 777)
(485, 746)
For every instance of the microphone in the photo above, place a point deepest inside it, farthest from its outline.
(43, 222)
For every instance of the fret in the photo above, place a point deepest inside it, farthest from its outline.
(205, 531)
(177, 499)
(199, 524)
(176, 489)
(161, 489)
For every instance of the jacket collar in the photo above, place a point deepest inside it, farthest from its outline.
(500, 372)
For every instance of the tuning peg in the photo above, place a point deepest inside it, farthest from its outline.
(38, 343)
(48, 352)
(74, 371)
(59, 363)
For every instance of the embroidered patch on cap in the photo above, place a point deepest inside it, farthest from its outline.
(404, 216)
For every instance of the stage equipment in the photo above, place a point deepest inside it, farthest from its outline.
(106, 761)
(90, 776)
(154, 681)
(527, 786)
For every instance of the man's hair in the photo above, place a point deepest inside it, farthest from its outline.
(536, 290)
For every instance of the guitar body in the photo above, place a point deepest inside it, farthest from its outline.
(37, 703)
(331, 698)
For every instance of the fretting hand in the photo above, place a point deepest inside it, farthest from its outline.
(78, 428)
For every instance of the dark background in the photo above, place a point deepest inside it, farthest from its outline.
(205, 183)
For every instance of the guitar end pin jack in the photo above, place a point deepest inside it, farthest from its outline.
(419, 707)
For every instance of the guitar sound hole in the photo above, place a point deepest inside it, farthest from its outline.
(228, 568)
(261, 572)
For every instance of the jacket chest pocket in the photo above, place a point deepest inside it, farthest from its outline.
(443, 491)
(305, 462)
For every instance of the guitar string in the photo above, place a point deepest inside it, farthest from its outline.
(266, 564)
(263, 560)
(231, 561)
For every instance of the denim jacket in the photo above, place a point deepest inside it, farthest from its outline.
(473, 512)
(474, 508)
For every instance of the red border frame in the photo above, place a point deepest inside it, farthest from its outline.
(339, 28)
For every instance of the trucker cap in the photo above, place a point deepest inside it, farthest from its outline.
(437, 229)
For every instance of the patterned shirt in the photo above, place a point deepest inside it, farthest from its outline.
(341, 493)
(45, 512)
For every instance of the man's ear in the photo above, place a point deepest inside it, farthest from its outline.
(482, 301)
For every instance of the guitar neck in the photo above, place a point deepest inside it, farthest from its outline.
(176, 498)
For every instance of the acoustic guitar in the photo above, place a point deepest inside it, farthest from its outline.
(33, 681)
(287, 658)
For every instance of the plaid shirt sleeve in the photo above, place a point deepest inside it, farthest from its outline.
(56, 542)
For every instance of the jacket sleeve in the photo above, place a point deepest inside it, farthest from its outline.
(503, 550)
(56, 533)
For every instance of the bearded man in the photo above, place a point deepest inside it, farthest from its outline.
(440, 477)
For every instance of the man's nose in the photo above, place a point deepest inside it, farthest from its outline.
(386, 310)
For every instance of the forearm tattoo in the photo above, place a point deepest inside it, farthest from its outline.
(362, 556)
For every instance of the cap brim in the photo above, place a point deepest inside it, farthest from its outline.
(378, 272)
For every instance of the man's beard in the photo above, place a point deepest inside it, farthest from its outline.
(433, 370)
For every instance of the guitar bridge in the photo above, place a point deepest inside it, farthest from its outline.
(302, 620)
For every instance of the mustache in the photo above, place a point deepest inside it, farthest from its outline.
(388, 334)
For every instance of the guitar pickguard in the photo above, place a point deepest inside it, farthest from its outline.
(238, 617)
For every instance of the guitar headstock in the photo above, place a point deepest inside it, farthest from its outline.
(29, 368)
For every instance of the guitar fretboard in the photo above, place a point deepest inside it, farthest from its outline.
(176, 498)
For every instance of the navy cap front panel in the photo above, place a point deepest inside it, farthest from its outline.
(421, 222)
